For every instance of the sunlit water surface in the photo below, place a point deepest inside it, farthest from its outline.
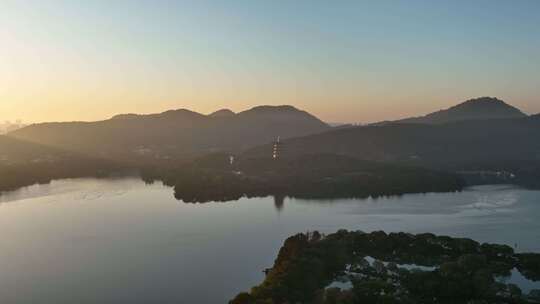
(121, 241)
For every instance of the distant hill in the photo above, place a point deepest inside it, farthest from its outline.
(474, 109)
(23, 163)
(174, 134)
(14, 151)
(222, 113)
(463, 143)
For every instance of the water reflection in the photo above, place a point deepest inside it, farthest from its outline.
(122, 241)
(518, 279)
(279, 202)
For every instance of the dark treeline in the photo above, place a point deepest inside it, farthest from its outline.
(462, 270)
(13, 176)
(24, 163)
(214, 178)
(525, 173)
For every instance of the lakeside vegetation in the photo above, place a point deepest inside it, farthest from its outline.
(404, 268)
(14, 176)
(453, 146)
(521, 173)
(25, 163)
(215, 178)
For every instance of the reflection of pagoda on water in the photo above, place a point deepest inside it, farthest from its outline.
(276, 149)
(279, 202)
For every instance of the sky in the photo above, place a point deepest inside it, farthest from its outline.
(344, 61)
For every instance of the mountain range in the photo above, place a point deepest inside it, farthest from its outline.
(444, 145)
(463, 132)
(482, 108)
(479, 134)
(174, 134)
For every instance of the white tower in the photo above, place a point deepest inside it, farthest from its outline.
(275, 150)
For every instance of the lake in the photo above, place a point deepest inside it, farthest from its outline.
(122, 241)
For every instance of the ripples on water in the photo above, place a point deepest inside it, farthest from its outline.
(119, 240)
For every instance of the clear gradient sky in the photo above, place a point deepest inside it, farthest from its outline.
(353, 61)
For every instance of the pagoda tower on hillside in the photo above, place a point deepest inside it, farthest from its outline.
(276, 148)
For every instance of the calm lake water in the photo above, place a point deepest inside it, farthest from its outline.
(121, 241)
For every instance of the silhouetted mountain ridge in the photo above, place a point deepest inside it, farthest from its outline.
(174, 134)
(222, 113)
(474, 109)
(456, 145)
(180, 113)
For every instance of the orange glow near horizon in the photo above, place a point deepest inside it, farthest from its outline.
(91, 60)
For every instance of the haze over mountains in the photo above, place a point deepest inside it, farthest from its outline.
(479, 134)
(474, 141)
(8, 126)
(174, 134)
(478, 131)
(474, 109)
(15, 151)
(24, 163)
(463, 132)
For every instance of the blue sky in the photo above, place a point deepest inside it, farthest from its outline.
(341, 60)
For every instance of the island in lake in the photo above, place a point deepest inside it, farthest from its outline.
(358, 267)
(220, 177)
